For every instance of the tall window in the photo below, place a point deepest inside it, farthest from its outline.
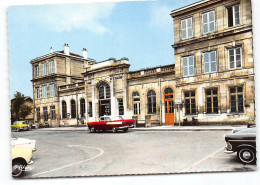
(188, 66)
(37, 92)
(38, 116)
(233, 15)
(187, 28)
(190, 104)
(120, 106)
(104, 91)
(236, 98)
(210, 62)
(53, 113)
(36, 71)
(212, 100)
(208, 21)
(90, 112)
(136, 103)
(64, 109)
(151, 102)
(52, 90)
(235, 58)
(73, 108)
(44, 67)
(44, 91)
(45, 113)
(82, 107)
(51, 67)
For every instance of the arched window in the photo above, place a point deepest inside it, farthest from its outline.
(136, 103)
(151, 96)
(73, 108)
(104, 91)
(168, 91)
(64, 109)
(82, 107)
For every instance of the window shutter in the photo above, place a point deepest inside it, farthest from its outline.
(205, 22)
(190, 27)
(236, 14)
(184, 28)
(191, 66)
(185, 66)
(211, 19)
(213, 59)
(206, 62)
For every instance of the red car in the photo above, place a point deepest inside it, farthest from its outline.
(113, 123)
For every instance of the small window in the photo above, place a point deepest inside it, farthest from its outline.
(36, 71)
(233, 15)
(82, 107)
(64, 109)
(136, 103)
(104, 91)
(210, 62)
(53, 113)
(51, 67)
(52, 90)
(208, 21)
(44, 91)
(37, 92)
(45, 113)
(38, 116)
(236, 99)
(151, 95)
(212, 100)
(120, 106)
(44, 71)
(188, 66)
(73, 108)
(187, 28)
(90, 112)
(190, 103)
(235, 58)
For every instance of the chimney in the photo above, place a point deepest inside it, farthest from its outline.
(66, 49)
(51, 50)
(84, 53)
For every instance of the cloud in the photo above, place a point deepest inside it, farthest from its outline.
(160, 16)
(59, 18)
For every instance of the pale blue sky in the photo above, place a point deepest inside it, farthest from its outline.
(140, 31)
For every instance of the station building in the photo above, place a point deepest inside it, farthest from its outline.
(211, 81)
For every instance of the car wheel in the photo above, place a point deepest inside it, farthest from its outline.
(92, 129)
(114, 130)
(247, 155)
(17, 129)
(17, 169)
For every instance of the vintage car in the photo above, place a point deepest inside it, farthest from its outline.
(20, 125)
(244, 143)
(23, 142)
(21, 157)
(113, 123)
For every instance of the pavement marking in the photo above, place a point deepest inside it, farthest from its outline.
(202, 160)
(101, 153)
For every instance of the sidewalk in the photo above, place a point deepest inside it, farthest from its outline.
(158, 128)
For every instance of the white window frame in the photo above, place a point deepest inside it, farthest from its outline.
(52, 90)
(52, 67)
(38, 96)
(44, 67)
(210, 62)
(44, 91)
(235, 57)
(36, 71)
(190, 65)
(233, 14)
(208, 22)
(187, 28)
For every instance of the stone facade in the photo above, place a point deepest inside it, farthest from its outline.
(212, 79)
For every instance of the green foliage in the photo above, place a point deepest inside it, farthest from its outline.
(19, 111)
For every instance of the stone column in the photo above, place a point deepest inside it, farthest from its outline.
(113, 99)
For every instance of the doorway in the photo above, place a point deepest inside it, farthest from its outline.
(169, 107)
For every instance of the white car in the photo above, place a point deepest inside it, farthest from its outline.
(22, 142)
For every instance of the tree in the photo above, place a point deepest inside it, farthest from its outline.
(19, 110)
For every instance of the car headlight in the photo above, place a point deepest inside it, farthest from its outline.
(229, 146)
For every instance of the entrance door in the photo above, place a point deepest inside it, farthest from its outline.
(104, 107)
(169, 107)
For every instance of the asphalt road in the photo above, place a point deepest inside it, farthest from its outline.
(80, 153)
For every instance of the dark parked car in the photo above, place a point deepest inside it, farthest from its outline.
(244, 143)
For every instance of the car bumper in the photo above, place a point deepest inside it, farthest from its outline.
(30, 166)
(226, 151)
(130, 126)
(123, 127)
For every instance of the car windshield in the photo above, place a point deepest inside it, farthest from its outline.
(105, 118)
